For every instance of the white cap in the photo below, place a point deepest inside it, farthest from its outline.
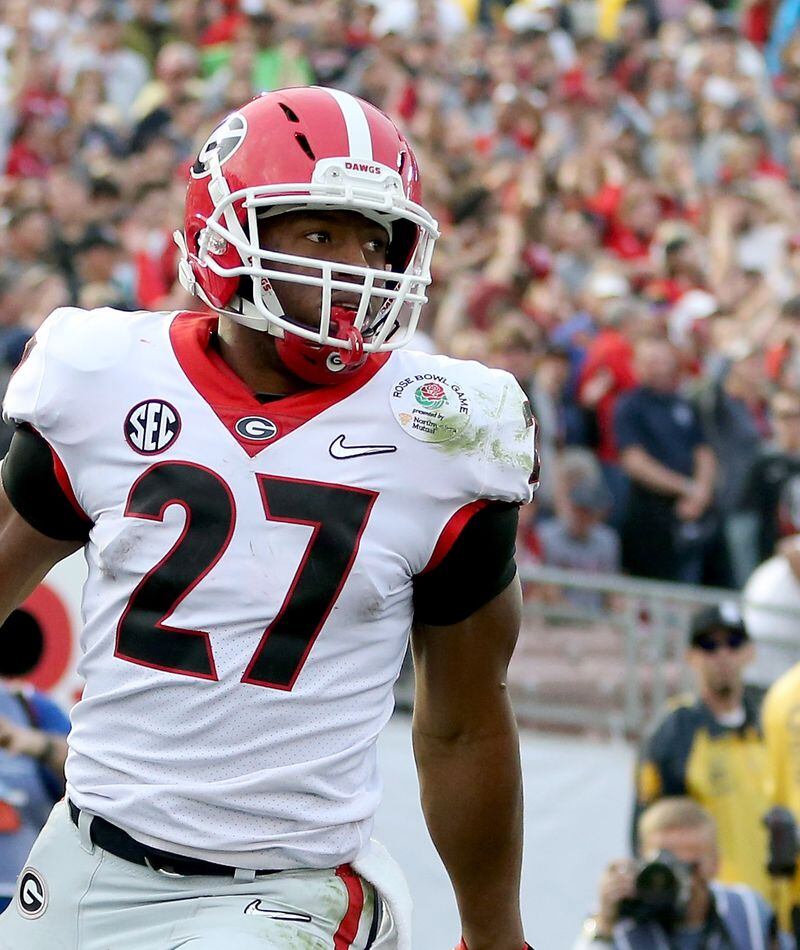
(529, 15)
(693, 305)
(607, 284)
(720, 92)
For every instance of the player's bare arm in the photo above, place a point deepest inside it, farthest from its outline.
(26, 555)
(467, 752)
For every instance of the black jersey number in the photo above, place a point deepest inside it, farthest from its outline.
(337, 514)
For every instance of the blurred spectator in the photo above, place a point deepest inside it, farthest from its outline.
(176, 82)
(607, 372)
(783, 781)
(33, 750)
(771, 488)
(547, 395)
(672, 471)
(731, 401)
(709, 746)
(101, 48)
(147, 28)
(106, 281)
(702, 912)
(513, 345)
(29, 239)
(579, 541)
(275, 61)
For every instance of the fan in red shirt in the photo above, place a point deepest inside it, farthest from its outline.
(608, 370)
(32, 149)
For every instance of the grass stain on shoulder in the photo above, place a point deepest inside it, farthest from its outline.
(469, 441)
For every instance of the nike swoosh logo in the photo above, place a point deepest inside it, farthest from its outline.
(254, 907)
(341, 451)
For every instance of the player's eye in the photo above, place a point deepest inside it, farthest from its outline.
(319, 237)
(377, 245)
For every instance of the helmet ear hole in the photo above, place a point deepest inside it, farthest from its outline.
(244, 289)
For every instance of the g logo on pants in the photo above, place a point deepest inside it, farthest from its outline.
(31, 894)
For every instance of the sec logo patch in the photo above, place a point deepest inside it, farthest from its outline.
(152, 426)
(31, 894)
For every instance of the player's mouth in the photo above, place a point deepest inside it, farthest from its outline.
(346, 301)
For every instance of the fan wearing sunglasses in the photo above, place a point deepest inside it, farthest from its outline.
(709, 746)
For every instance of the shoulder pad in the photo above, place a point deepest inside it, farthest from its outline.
(467, 411)
(70, 345)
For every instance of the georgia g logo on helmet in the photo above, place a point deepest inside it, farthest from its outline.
(223, 141)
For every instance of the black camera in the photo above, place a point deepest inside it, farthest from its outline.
(662, 890)
(784, 847)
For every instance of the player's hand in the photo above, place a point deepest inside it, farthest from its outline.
(598, 386)
(790, 549)
(693, 504)
(617, 883)
(21, 740)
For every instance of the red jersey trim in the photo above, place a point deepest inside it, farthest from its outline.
(345, 936)
(452, 531)
(231, 398)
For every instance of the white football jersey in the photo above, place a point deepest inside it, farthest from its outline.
(249, 596)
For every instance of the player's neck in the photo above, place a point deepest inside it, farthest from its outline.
(251, 354)
(724, 705)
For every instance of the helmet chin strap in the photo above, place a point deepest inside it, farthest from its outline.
(246, 313)
(323, 364)
(355, 355)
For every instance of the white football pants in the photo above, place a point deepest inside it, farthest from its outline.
(75, 896)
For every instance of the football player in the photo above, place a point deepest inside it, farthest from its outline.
(269, 497)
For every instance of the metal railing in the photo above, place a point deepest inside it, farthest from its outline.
(611, 666)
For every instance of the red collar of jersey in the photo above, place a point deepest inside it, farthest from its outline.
(232, 400)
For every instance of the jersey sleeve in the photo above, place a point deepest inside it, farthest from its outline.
(69, 371)
(48, 390)
(37, 485)
(478, 567)
(68, 368)
(490, 460)
(22, 402)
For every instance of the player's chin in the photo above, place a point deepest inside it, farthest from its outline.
(301, 308)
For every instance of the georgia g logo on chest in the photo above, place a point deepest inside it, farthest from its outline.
(152, 426)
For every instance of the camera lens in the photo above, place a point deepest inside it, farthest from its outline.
(657, 881)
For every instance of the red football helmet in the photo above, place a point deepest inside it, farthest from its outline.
(312, 149)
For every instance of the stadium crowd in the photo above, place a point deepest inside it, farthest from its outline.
(617, 186)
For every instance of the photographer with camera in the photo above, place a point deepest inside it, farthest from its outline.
(709, 747)
(670, 900)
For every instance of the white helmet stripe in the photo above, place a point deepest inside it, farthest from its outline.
(355, 119)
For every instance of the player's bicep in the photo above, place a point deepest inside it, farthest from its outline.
(461, 668)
